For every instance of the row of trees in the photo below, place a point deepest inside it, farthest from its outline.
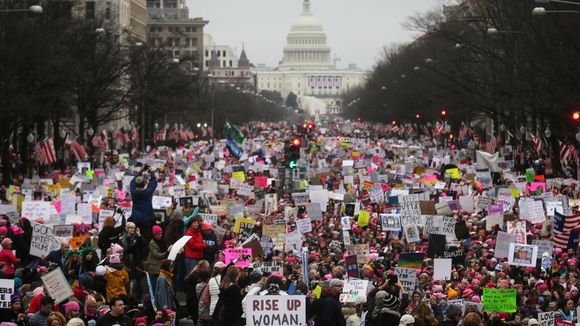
(489, 58)
(78, 75)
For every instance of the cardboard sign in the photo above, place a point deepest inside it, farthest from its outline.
(160, 202)
(36, 209)
(407, 278)
(353, 289)
(276, 310)
(543, 246)
(410, 210)
(390, 222)
(242, 256)
(63, 231)
(523, 255)
(293, 240)
(268, 267)
(243, 223)
(43, 241)
(56, 285)
(499, 300)
(361, 251)
(6, 290)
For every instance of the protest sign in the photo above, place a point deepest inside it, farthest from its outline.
(504, 197)
(546, 318)
(63, 231)
(242, 256)
(57, 286)
(543, 246)
(411, 260)
(533, 211)
(245, 190)
(37, 209)
(457, 255)
(390, 222)
(10, 211)
(268, 267)
(499, 300)
(43, 241)
(209, 218)
(410, 210)
(270, 203)
(301, 198)
(502, 244)
(361, 251)
(6, 290)
(517, 228)
(443, 225)
(353, 289)
(293, 240)
(314, 211)
(352, 266)
(160, 202)
(411, 233)
(442, 208)
(407, 278)
(442, 267)
(523, 255)
(304, 225)
(177, 246)
(243, 223)
(276, 310)
(345, 221)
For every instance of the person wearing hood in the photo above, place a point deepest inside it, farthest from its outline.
(328, 308)
(142, 196)
(16, 313)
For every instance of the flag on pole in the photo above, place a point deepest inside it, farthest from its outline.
(234, 133)
(563, 235)
(537, 143)
(234, 149)
(77, 149)
(101, 141)
(45, 152)
(490, 143)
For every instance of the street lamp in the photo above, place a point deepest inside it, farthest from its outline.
(35, 9)
(416, 68)
(494, 31)
(541, 11)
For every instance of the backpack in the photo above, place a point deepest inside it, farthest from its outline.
(204, 301)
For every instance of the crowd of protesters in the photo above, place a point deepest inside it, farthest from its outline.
(121, 273)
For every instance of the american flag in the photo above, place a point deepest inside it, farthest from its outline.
(564, 227)
(45, 153)
(490, 143)
(77, 149)
(463, 132)
(135, 135)
(537, 143)
(568, 155)
(101, 141)
(174, 135)
(161, 135)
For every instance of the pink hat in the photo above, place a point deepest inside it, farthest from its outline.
(16, 230)
(6, 242)
(558, 251)
(476, 298)
(467, 293)
(157, 229)
(573, 261)
(70, 306)
(3, 230)
(115, 248)
(114, 259)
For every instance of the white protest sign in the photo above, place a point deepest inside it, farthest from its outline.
(293, 240)
(504, 196)
(533, 211)
(57, 286)
(546, 318)
(407, 278)
(273, 310)
(160, 202)
(300, 198)
(6, 290)
(177, 246)
(390, 222)
(554, 206)
(86, 213)
(43, 241)
(210, 218)
(442, 268)
(36, 209)
(10, 211)
(443, 225)
(345, 221)
(523, 255)
(63, 231)
(269, 267)
(543, 246)
(353, 289)
(502, 244)
(362, 252)
(304, 225)
(245, 190)
(410, 210)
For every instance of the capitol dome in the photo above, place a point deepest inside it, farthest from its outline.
(306, 43)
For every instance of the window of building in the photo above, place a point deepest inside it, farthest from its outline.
(177, 30)
(108, 10)
(193, 41)
(169, 4)
(224, 53)
(90, 10)
(231, 63)
(175, 53)
(171, 16)
(207, 63)
(193, 29)
(218, 54)
(224, 64)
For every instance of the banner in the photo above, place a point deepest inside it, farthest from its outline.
(407, 278)
(275, 310)
(499, 300)
(57, 286)
(487, 161)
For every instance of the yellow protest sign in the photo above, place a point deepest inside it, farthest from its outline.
(242, 221)
(239, 175)
(363, 218)
(197, 168)
(454, 173)
(515, 193)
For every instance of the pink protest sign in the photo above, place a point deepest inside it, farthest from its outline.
(261, 182)
(243, 256)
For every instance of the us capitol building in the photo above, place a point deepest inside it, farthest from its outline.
(307, 68)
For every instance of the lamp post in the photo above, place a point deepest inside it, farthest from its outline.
(541, 11)
(494, 31)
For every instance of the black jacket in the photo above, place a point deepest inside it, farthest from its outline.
(328, 311)
(108, 320)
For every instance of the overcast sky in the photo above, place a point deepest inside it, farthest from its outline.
(356, 29)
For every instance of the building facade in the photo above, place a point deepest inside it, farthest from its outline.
(240, 76)
(227, 56)
(307, 68)
(169, 26)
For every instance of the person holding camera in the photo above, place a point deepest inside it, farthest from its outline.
(142, 188)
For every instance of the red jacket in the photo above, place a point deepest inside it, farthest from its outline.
(194, 247)
(8, 259)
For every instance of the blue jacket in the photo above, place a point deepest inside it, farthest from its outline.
(142, 201)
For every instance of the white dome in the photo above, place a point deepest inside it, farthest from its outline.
(306, 23)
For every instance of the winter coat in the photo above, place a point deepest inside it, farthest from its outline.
(231, 298)
(164, 296)
(134, 246)
(211, 247)
(352, 319)
(214, 292)
(195, 246)
(8, 260)
(153, 263)
(142, 200)
(116, 279)
(110, 235)
(328, 311)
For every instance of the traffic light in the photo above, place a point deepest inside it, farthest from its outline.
(292, 154)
